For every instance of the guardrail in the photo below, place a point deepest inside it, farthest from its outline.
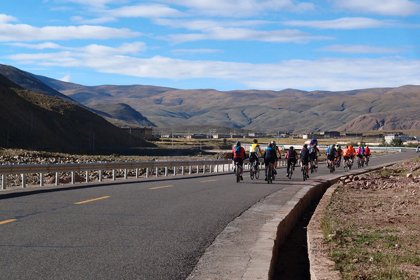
(110, 170)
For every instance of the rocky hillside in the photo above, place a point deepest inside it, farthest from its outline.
(29, 81)
(37, 121)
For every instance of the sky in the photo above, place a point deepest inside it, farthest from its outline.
(217, 44)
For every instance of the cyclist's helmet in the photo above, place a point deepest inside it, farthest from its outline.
(291, 148)
(255, 141)
(238, 143)
(305, 146)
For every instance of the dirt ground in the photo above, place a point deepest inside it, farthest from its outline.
(372, 224)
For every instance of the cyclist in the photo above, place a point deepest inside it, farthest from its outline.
(331, 155)
(360, 154)
(313, 154)
(304, 158)
(367, 154)
(352, 152)
(339, 155)
(254, 153)
(291, 157)
(346, 155)
(278, 152)
(270, 156)
(238, 156)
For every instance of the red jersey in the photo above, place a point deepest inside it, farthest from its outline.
(238, 152)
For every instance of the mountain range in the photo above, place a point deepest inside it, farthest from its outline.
(257, 110)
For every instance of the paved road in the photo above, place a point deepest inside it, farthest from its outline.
(149, 230)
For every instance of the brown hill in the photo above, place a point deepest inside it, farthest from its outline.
(37, 121)
(258, 110)
(289, 110)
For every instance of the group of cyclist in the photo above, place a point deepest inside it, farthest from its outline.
(271, 155)
(308, 156)
(336, 153)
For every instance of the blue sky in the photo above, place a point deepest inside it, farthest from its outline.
(220, 44)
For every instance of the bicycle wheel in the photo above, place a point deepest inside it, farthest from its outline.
(257, 173)
(238, 173)
(270, 174)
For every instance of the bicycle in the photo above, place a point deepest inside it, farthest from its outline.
(348, 163)
(331, 166)
(314, 167)
(367, 160)
(305, 172)
(270, 173)
(238, 171)
(291, 169)
(255, 171)
(338, 162)
(360, 162)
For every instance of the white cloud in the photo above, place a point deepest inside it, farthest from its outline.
(6, 18)
(66, 78)
(341, 23)
(242, 34)
(207, 24)
(240, 8)
(41, 46)
(144, 10)
(94, 3)
(327, 74)
(228, 30)
(24, 32)
(195, 51)
(98, 20)
(383, 7)
(360, 49)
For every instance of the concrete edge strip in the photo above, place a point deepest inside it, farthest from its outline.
(295, 207)
(321, 266)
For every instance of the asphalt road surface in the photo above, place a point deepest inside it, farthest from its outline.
(146, 230)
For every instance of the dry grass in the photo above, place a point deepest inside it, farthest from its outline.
(372, 225)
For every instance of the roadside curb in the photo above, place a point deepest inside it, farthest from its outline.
(321, 267)
(248, 248)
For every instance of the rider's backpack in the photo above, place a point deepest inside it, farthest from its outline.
(237, 151)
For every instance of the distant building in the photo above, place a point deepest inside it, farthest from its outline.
(256, 134)
(330, 134)
(140, 132)
(351, 134)
(404, 138)
(197, 136)
(220, 136)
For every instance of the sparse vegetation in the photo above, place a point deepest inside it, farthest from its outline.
(372, 226)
